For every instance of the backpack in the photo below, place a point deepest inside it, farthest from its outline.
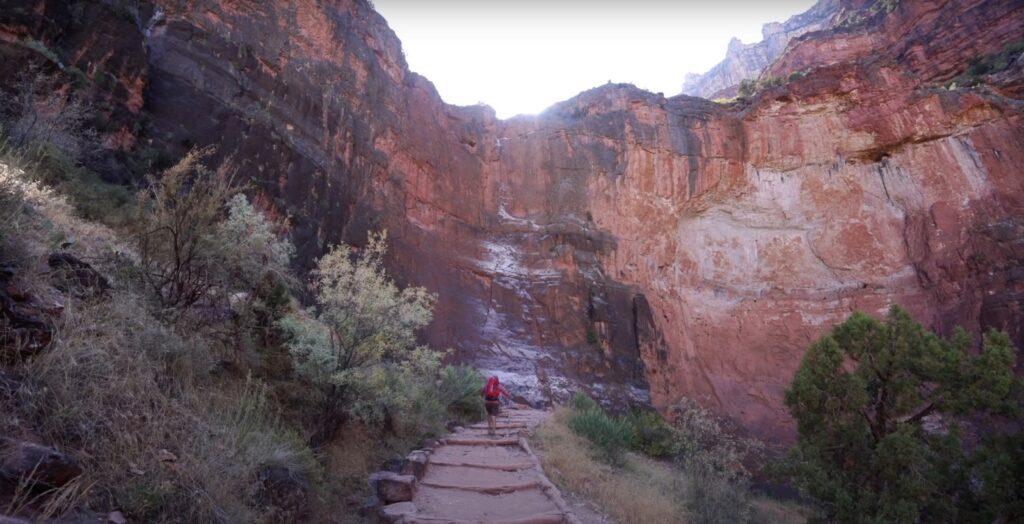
(493, 388)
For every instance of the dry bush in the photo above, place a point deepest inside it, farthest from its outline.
(175, 230)
(641, 492)
(43, 112)
(770, 511)
(708, 443)
(199, 242)
(715, 498)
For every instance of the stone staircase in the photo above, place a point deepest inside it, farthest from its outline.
(473, 477)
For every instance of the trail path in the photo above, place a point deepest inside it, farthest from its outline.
(473, 477)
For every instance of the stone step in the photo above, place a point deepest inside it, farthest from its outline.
(499, 426)
(457, 441)
(500, 467)
(538, 518)
(497, 489)
(462, 505)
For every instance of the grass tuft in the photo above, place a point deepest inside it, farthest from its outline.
(610, 436)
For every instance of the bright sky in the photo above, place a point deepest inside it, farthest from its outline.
(522, 56)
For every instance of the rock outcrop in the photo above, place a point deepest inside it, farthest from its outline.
(639, 247)
(35, 465)
(748, 61)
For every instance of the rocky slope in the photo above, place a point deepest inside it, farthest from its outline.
(747, 61)
(641, 247)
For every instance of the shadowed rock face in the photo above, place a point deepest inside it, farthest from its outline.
(640, 247)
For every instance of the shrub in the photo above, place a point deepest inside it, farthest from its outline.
(770, 82)
(582, 402)
(188, 251)
(363, 320)
(460, 388)
(258, 438)
(251, 249)
(610, 435)
(652, 435)
(176, 231)
(703, 441)
(747, 87)
(401, 397)
(714, 498)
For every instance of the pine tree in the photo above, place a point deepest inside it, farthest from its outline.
(877, 406)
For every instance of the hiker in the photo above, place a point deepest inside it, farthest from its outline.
(492, 394)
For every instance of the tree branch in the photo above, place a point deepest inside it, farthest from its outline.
(916, 417)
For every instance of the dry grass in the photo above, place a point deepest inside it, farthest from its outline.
(770, 511)
(160, 436)
(121, 390)
(641, 492)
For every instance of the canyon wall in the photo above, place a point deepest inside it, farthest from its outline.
(748, 61)
(640, 247)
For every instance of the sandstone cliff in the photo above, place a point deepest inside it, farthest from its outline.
(641, 247)
(747, 61)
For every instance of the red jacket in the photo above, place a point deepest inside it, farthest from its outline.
(501, 392)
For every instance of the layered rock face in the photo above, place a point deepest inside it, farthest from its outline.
(748, 61)
(639, 247)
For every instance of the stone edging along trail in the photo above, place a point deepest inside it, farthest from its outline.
(472, 477)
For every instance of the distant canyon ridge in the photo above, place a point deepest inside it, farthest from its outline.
(638, 247)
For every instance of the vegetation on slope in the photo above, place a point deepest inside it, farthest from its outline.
(641, 469)
(181, 385)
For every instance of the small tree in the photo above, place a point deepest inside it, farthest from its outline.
(861, 399)
(747, 87)
(363, 320)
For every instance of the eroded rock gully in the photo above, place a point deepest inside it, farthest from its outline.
(642, 247)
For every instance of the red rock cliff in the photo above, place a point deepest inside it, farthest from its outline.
(641, 247)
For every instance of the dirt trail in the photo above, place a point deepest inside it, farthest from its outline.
(473, 477)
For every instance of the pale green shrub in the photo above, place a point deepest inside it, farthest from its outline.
(354, 346)
(251, 248)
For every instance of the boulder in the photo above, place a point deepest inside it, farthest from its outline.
(392, 487)
(71, 275)
(46, 466)
(416, 464)
(397, 512)
(25, 328)
(284, 491)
